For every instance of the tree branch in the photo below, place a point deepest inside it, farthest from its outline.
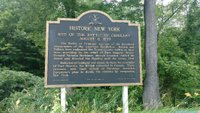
(173, 13)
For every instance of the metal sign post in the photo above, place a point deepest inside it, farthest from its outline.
(125, 98)
(63, 99)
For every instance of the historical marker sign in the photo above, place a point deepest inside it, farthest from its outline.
(92, 50)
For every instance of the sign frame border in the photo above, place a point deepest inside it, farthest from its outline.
(98, 84)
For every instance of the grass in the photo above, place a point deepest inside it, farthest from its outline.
(168, 110)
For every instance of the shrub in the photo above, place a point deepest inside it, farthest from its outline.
(23, 92)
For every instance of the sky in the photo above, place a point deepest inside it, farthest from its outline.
(165, 2)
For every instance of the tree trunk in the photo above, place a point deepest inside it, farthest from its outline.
(151, 95)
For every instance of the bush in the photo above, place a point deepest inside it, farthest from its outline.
(177, 75)
(11, 81)
(22, 92)
(28, 95)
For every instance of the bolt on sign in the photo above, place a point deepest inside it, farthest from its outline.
(92, 50)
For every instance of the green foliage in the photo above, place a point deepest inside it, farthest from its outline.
(14, 42)
(22, 43)
(126, 10)
(178, 52)
(190, 40)
(104, 99)
(23, 92)
(11, 81)
(22, 26)
(177, 76)
(169, 110)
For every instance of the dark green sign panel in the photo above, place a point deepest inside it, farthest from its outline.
(92, 50)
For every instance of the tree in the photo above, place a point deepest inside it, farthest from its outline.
(178, 51)
(190, 40)
(70, 8)
(169, 14)
(15, 41)
(22, 33)
(151, 95)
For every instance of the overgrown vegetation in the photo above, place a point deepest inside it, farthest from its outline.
(22, 37)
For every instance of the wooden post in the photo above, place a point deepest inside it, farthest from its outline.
(125, 98)
(63, 99)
